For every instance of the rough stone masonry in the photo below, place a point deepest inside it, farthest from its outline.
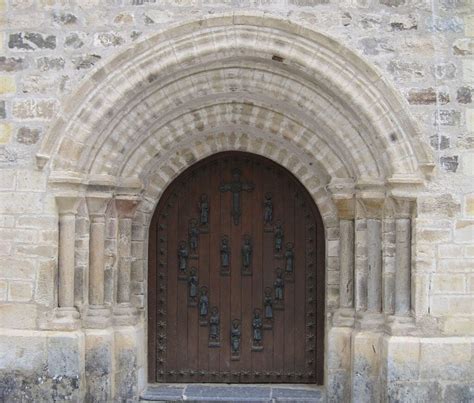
(369, 103)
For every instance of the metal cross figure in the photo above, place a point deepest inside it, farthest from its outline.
(236, 186)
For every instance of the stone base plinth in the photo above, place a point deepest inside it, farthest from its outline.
(97, 317)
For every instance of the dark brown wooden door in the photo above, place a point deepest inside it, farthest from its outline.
(236, 276)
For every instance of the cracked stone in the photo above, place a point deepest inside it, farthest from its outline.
(31, 41)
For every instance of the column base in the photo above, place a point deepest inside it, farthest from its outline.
(97, 317)
(344, 317)
(370, 320)
(125, 314)
(398, 325)
(64, 319)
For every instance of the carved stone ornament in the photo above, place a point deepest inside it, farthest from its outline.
(225, 255)
(247, 250)
(214, 328)
(203, 305)
(183, 255)
(193, 282)
(235, 336)
(236, 187)
(257, 331)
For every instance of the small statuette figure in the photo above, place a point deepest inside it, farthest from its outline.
(268, 209)
(279, 284)
(193, 235)
(235, 334)
(203, 302)
(214, 327)
(183, 255)
(225, 252)
(247, 253)
(268, 303)
(204, 210)
(279, 235)
(290, 258)
(193, 284)
(257, 325)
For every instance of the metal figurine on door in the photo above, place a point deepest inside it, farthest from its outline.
(203, 305)
(225, 255)
(236, 187)
(247, 255)
(192, 287)
(257, 333)
(279, 235)
(193, 236)
(235, 335)
(214, 330)
(183, 255)
(268, 209)
(204, 210)
(290, 258)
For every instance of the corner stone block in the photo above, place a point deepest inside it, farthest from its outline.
(126, 363)
(446, 359)
(339, 348)
(403, 356)
(65, 354)
(99, 365)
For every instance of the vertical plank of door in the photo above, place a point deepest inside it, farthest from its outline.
(171, 268)
(289, 301)
(319, 289)
(152, 289)
(205, 246)
(192, 314)
(214, 264)
(279, 320)
(182, 329)
(300, 280)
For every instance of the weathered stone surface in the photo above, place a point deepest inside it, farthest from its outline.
(5, 133)
(3, 113)
(463, 46)
(63, 18)
(445, 24)
(447, 117)
(450, 164)
(31, 41)
(439, 142)
(85, 62)
(10, 64)
(392, 3)
(406, 70)
(50, 63)
(108, 39)
(74, 40)
(444, 71)
(7, 85)
(464, 95)
(375, 46)
(28, 135)
(427, 96)
(35, 109)
(403, 22)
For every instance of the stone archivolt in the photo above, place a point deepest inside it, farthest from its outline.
(214, 85)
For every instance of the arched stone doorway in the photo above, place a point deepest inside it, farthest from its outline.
(278, 89)
(238, 234)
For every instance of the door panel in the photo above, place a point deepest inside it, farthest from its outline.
(191, 341)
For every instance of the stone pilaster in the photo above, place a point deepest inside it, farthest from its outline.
(343, 197)
(124, 312)
(98, 315)
(66, 315)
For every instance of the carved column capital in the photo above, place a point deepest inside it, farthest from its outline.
(126, 206)
(369, 204)
(97, 204)
(402, 208)
(342, 191)
(67, 203)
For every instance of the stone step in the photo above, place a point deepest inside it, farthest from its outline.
(233, 393)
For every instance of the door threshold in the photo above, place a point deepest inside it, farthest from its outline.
(218, 392)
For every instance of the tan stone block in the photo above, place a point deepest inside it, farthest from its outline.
(403, 356)
(448, 283)
(468, 71)
(469, 25)
(452, 265)
(30, 180)
(7, 85)
(464, 231)
(434, 235)
(469, 251)
(468, 164)
(458, 326)
(5, 248)
(21, 269)
(462, 305)
(20, 202)
(5, 133)
(469, 205)
(18, 316)
(470, 120)
(449, 251)
(20, 291)
(339, 348)
(3, 290)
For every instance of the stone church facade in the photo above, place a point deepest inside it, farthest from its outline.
(367, 103)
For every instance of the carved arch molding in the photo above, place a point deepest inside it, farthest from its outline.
(279, 90)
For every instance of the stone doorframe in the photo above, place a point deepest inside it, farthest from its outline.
(280, 90)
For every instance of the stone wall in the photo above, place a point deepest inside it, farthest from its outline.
(425, 49)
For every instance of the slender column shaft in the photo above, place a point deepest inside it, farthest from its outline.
(360, 269)
(374, 260)
(346, 260)
(96, 260)
(124, 263)
(403, 262)
(67, 225)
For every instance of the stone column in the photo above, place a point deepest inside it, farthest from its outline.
(66, 315)
(124, 311)
(402, 264)
(370, 209)
(344, 200)
(98, 314)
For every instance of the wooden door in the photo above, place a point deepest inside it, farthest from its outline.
(236, 276)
